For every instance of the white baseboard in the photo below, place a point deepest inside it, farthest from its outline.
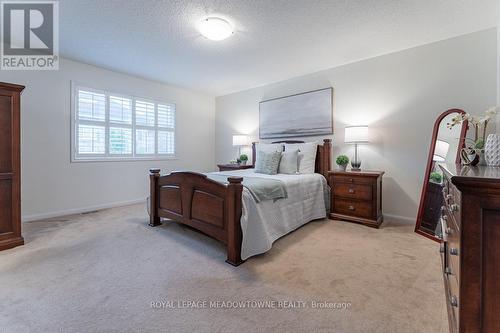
(35, 217)
(399, 218)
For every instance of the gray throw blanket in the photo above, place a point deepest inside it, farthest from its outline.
(262, 189)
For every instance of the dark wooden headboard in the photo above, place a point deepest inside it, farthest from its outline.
(323, 155)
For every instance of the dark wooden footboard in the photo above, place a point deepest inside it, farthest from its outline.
(201, 203)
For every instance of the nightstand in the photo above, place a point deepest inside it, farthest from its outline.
(356, 196)
(230, 167)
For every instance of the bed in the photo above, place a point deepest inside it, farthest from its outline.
(227, 212)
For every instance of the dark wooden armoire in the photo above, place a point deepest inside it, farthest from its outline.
(10, 166)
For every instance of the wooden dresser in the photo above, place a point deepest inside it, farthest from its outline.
(10, 166)
(356, 196)
(470, 250)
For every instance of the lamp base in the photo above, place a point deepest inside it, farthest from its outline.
(356, 166)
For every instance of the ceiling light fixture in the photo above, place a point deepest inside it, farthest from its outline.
(215, 28)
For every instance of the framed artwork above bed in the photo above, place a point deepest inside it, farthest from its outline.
(305, 114)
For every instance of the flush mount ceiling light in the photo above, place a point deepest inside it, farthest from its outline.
(215, 28)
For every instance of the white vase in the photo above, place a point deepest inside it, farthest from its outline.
(492, 150)
(342, 167)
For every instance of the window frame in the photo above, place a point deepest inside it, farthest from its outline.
(107, 124)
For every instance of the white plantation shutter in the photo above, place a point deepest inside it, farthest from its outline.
(166, 129)
(166, 142)
(109, 126)
(120, 110)
(120, 141)
(166, 115)
(91, 106)
(91, 139)
(145, 141)
(144, 113)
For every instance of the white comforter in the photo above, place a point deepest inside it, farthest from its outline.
(263, 223)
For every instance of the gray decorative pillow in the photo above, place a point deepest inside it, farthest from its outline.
(289, 162)
(268, 163)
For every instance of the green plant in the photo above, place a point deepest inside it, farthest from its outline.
(436, 177)
(342, 160)
(243, 157)
(479, 144)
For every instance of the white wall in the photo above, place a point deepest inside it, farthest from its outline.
(398, 95)
(52, 186)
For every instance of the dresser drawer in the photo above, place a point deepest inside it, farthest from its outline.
(348, 190)
(351, 207)
(453, 301)
(452, 200)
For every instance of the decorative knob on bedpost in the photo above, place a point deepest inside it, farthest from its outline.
(154, 176)
(235, 180)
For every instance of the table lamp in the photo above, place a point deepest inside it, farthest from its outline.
(440, 151)
(356, 135)
(240, 141)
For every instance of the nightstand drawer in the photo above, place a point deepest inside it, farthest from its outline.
(346, 190)
(354, 208)
(352, 178)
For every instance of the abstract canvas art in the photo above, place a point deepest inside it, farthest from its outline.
(305, 114)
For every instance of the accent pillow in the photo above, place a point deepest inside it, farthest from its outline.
(307, 155)
(267, 163)
(289, 162)
(267, 147)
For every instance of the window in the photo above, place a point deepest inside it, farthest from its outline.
(111, 126)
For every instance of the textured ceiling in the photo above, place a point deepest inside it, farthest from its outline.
(274, 39)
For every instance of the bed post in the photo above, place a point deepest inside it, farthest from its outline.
(234, 233)
(254, 153)
(154, 219)
(327, 158)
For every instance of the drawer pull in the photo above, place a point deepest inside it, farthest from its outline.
(351, 207)
(454, 301)
(351, 190)
(454, 207)
(454, 251)
(447, 271)
(351, 180)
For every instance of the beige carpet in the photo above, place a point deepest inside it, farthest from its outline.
(101, 272)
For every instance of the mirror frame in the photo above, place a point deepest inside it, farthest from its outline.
(435, 133)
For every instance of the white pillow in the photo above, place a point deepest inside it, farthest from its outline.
(307, 155)
(289, 162)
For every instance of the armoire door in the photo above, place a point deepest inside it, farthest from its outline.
(10, 166)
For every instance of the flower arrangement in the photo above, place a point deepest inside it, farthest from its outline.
(480, 123)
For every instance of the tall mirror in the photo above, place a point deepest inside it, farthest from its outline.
(445, 147)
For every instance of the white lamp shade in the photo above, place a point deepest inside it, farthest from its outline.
(240, 140)
(356, 134)
(440, 151)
